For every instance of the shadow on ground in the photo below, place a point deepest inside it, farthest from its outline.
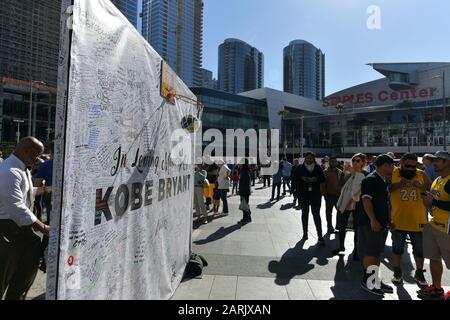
(219, 234)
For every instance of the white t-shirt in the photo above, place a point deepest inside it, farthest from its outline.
(224, 179)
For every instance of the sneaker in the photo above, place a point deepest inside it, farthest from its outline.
(386, 289)
(430, 293)
(330, 230)
(337, 251)
(374, 291)
(447, 296)
(420, 279)
(321, 242)
(397, 279)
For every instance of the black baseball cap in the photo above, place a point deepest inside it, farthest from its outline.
(383, 159)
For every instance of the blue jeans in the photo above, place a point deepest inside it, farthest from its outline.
(223, 197)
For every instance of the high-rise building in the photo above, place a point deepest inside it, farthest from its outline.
(29, 50)
(129, 8)
(29, 40)
(241, 67)
(208, 80)
(304, 70)
(174, 28)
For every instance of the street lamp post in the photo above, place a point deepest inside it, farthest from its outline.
(444, 106)
(18, 129)
(302, 138)
(340, 107)
(444, 110)
(30, 111)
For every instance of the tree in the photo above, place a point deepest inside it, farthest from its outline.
(283, 114)
(340, 108)
(407, 104)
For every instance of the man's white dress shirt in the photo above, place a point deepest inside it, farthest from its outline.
(15, 195)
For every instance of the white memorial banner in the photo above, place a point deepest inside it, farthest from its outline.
(121, 225)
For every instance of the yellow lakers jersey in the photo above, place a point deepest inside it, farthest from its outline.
(408, 211)
(441, 217)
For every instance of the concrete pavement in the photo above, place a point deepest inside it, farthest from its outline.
(266, 260)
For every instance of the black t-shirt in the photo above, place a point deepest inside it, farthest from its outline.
(376, 189)
(212, 172)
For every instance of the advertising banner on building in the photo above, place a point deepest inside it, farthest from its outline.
(124, 163)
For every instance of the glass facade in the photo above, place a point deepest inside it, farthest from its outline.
(29, 40)
(29, 48)
(129, 9)
(228, 111)
(304, 70)
(241, 67)
(392, 128)
(224, 111)
(174, 28)
(15, 107)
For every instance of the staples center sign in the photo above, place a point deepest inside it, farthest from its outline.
(383, 97)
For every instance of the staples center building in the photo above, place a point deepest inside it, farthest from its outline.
(401, 112)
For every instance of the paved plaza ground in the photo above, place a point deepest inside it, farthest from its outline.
(266, 260)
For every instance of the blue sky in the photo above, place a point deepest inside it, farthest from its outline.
(411, 30)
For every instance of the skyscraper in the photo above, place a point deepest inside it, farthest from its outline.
(208, 80)
(174, 28)
(29, 40)
(29, 50)
(129, 9)
(304, 70)
(241, 67)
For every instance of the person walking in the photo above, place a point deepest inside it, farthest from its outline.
(374, 224)
(244, 193)
(436, 234)
(309, 177)
(287, 168)
(200, 208)
(235, 178)
(224, 185)
(331, 190)
(276, 182)
(20, 247)
(409, 215)
(349, 203)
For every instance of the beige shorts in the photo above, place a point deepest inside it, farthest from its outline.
(436, 245)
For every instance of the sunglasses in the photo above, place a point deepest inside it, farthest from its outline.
(410, 167)
(356, 161)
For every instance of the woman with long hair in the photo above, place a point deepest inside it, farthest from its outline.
(349, 202)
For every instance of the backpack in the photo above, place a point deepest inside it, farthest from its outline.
(194, 268)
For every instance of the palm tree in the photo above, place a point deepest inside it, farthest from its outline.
(283, 114)
(340, 108)
(407, 104)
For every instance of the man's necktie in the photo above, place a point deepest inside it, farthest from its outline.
(30, 190)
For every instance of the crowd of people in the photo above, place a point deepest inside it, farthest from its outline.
(378, 195)
(406, 198)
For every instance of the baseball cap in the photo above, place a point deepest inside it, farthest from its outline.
(383, 159)
(444, 155)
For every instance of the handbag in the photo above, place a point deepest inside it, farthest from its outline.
(244, 205)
